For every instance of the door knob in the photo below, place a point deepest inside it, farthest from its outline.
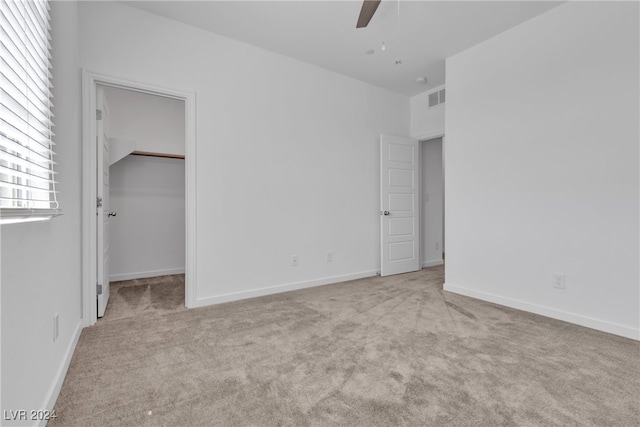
(386, 213)
(113, 213)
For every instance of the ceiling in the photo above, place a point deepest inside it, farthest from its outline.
(422, 35)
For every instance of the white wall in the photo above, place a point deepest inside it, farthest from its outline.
(425, 121)
(432, 189)
(41, 270)
(541, 166)
(155, 123)
(147, 236)
(287, 153)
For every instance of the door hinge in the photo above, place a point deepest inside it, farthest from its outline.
(98, 289)
(98, 114)
(99, 203)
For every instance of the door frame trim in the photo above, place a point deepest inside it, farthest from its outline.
(89, 182)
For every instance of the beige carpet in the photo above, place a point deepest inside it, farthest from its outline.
(372, 352)
(144, 297)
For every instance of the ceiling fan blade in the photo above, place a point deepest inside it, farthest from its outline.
(369, 7)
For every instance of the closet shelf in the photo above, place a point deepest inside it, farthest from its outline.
(150, 154)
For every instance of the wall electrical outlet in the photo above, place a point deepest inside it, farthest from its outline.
(557, 281)
(294, 260)
(329, 256)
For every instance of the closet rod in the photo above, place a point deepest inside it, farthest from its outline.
(149, 154)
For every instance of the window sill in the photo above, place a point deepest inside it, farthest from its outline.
(16, 216)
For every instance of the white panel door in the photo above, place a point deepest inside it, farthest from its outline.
(399, 216)
(102, 141)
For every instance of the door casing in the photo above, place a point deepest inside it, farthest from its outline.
(90, 80)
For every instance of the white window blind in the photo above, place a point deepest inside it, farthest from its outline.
(27, 184)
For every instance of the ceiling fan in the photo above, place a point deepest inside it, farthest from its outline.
(369, 7)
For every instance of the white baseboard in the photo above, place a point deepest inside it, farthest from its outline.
(234, 296)
(144, 274)
(578, 319)
(54, 391)
(432, 263)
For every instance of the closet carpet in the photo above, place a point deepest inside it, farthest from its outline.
(144, 297)
(371, 352)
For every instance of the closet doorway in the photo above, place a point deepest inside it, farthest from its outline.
(146, 229)
(432, 202)
(139, 245)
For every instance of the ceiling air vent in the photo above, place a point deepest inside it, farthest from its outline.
(436, 98)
